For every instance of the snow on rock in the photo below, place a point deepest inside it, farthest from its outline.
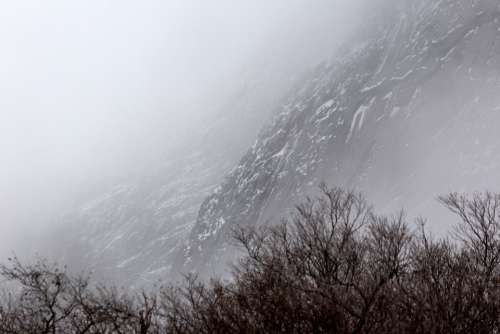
(394, 93)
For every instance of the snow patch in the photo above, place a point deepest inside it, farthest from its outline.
(324, 107)
(369, 88)
(388, 96)
(359, 118)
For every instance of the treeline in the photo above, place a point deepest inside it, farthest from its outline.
(333, 267)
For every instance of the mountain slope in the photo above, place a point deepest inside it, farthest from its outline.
(131, 233)
(411, 112)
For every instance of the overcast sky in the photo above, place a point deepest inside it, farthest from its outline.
(88, 88)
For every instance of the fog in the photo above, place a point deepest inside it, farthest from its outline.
(92, 92)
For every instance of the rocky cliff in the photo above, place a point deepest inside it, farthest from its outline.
(409, 112)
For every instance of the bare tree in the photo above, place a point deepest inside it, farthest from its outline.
(334, 266)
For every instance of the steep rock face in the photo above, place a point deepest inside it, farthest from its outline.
(130, 234)
(410, 113)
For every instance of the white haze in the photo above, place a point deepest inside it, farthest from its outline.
(93, 91)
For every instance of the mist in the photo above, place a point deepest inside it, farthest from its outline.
(193, 166)
(94, 92)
